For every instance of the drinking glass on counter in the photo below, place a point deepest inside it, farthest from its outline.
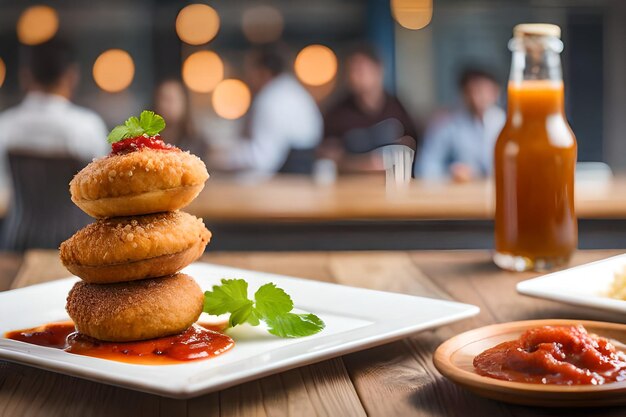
(398, 163)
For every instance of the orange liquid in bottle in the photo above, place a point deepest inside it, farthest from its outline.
(535, 161)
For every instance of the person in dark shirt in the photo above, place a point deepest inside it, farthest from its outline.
(367, 111)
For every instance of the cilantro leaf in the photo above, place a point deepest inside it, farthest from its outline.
(271, 301)
(230, 297)
(224, 298)
(254, 319)
(134, 129)
(271, 305)
(118, 133)
(148, 123)
(294, 325)
(151, 123)
(241, 314)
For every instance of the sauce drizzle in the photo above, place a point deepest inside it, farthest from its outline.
(200, 341)
(139, 142)
(554, 355)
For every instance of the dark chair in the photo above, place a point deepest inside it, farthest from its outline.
(41, 213)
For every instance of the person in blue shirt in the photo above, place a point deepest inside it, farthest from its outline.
(459, 146)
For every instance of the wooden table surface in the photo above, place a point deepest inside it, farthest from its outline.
(294, 198)
(397, 379)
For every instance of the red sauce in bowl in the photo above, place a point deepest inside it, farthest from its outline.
(554, 355)
(197, 342)
(137, 143)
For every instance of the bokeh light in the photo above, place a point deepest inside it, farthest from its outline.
(231, 99)
(3, 72)
(202, 71)
(412, 14)
(316, 65)
(114, 70)
(197, 24)
(37, 24)
(262, 24)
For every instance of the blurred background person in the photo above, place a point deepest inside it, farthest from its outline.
(459, 146)
(283, 119)
(45, 140)
(46, 120)
(367, 114)
(171, 100)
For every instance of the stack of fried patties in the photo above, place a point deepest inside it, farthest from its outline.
(129, 258)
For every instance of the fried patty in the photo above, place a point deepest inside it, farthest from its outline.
(130, 248)
(135, 310)
(140, 182)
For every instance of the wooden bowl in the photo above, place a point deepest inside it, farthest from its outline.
(454, 359)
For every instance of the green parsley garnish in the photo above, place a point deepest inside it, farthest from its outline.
(149, 123)
(271, 305)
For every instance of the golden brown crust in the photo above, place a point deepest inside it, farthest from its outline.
(146, 203)
(135, 310)
(125, 241)
(146, 173)
(134, 270)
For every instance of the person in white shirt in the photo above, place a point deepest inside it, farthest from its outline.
(460, 146)
(46, 121)
(283, 118)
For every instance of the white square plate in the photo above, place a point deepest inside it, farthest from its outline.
(585, 285)
(355, 319)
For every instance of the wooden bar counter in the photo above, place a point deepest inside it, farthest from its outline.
(356, 213)
(292, 198)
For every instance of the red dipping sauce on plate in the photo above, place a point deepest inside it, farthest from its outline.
(140, 142)
(197, 342)
(554, 355)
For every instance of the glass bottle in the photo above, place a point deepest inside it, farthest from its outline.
(535, 158)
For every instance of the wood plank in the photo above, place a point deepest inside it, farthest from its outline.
(384, 271)
(26, 391)
(399, 378)
(316, 390)
(330, 393)
(39, 265)
(388, 377)
(244, 400)
(9, 265)
(205, 405)
(394, 379)
(309, 265)
(471, 276)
